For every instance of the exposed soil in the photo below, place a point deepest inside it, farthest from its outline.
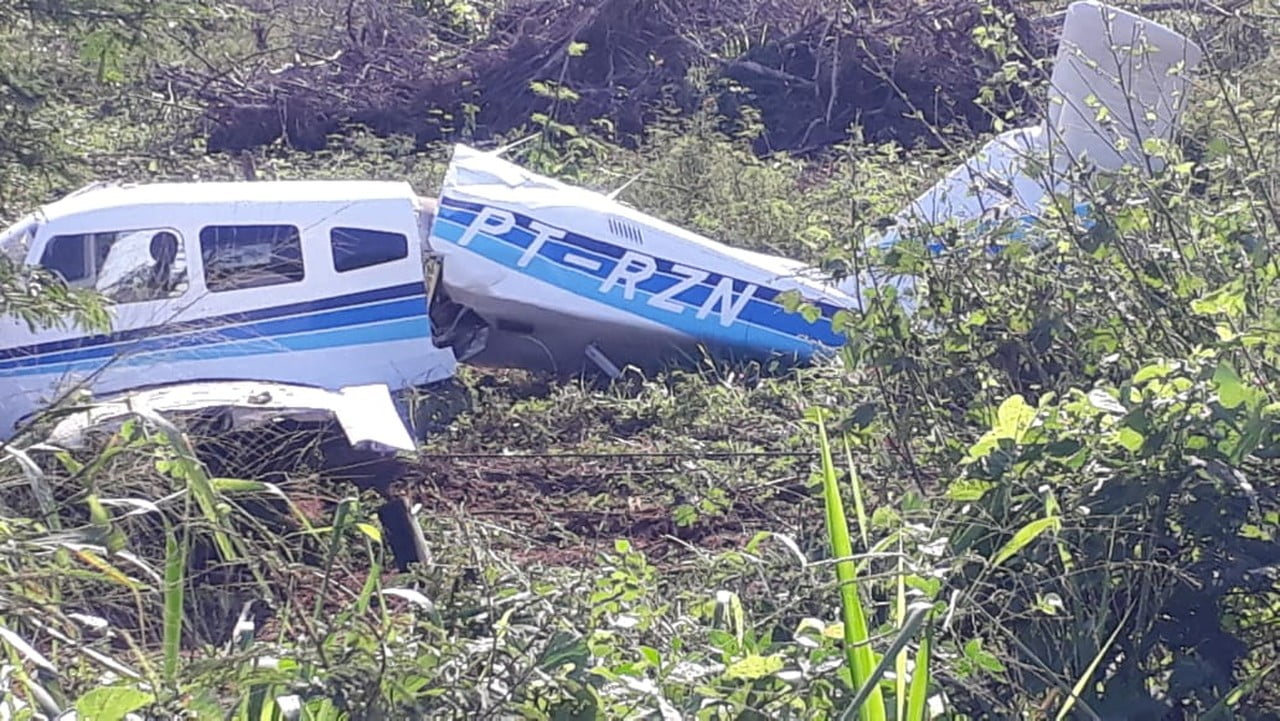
(899, 69)
(565, 510)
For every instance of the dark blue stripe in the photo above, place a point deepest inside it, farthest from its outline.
(390, 310)
(25, 354)
(417, 327)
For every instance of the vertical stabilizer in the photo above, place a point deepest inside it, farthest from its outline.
(1118, 80)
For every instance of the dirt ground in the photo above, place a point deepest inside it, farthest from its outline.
(562, 511)
(901, 71)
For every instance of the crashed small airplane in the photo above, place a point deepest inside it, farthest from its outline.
(310, 299)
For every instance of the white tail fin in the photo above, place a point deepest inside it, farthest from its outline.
(1118, 80)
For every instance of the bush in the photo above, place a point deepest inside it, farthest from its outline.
(1049, 493)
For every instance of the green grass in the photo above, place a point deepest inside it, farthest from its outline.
(1049, 505)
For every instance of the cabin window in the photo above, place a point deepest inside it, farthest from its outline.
(127, 266)
(250, 256)
(360, 248)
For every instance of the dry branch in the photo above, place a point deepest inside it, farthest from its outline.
(397, 73)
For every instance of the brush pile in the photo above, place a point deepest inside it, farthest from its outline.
(899, 70)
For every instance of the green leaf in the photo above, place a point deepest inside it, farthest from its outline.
(565, 649)
(967, 490)
(885, 517)
(754, 667)
(1227, 300)
(372, 531)
(981, 657)
(1049, 604)
(1150, 372)
(174, 586)
(112, 703)
(911, 624)
(860, 657)
(1024, 537)
(918, 696)
(651, 655)
(859, 508)
(1102, 400)
(1014, 418)
(238, 485)
(1232, 391)
(1130, 439)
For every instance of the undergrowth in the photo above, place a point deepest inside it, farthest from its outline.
(1049, 493)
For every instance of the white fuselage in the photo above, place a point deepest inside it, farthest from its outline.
(323, 283)
(315, 325)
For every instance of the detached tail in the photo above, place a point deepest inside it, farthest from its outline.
(1119, 81)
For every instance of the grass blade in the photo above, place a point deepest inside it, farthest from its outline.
(872, 685)
(175, 564)
(860, 657)
(1221, 711)
(335, 542)
(40, 486)
(187, 467)
(917, 703)
(859, 510)
(1024, 537)
(27, 651)
(1078, 689)
(900, 662)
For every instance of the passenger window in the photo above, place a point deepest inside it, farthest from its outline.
(127, 266)
(250, 256)
(360, 248)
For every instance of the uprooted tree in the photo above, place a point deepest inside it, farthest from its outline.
(899, 71)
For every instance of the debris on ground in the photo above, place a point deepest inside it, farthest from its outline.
(900, 70)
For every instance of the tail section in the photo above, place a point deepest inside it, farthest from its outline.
(1119, 81)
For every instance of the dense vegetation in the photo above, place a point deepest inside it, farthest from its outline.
(1050, 493)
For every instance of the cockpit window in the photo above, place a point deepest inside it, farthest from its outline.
(70, 256)
(126, 266)
(15, 241)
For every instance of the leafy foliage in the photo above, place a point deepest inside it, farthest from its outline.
(1048, 493)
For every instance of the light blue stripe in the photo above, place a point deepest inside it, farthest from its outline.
(249, 330)
(363, 335)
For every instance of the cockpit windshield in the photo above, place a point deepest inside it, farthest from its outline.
(16, 239)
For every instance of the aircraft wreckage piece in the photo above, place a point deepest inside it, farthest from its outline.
(540, 274)
(366, 414)
(308, 283)
(556, 274)
(1118, 81)
(322, 284)
(355, 430)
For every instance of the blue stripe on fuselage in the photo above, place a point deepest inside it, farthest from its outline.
(767, 322)
(371, 333)
(740, 334)
(407, 301)
(577, 242)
